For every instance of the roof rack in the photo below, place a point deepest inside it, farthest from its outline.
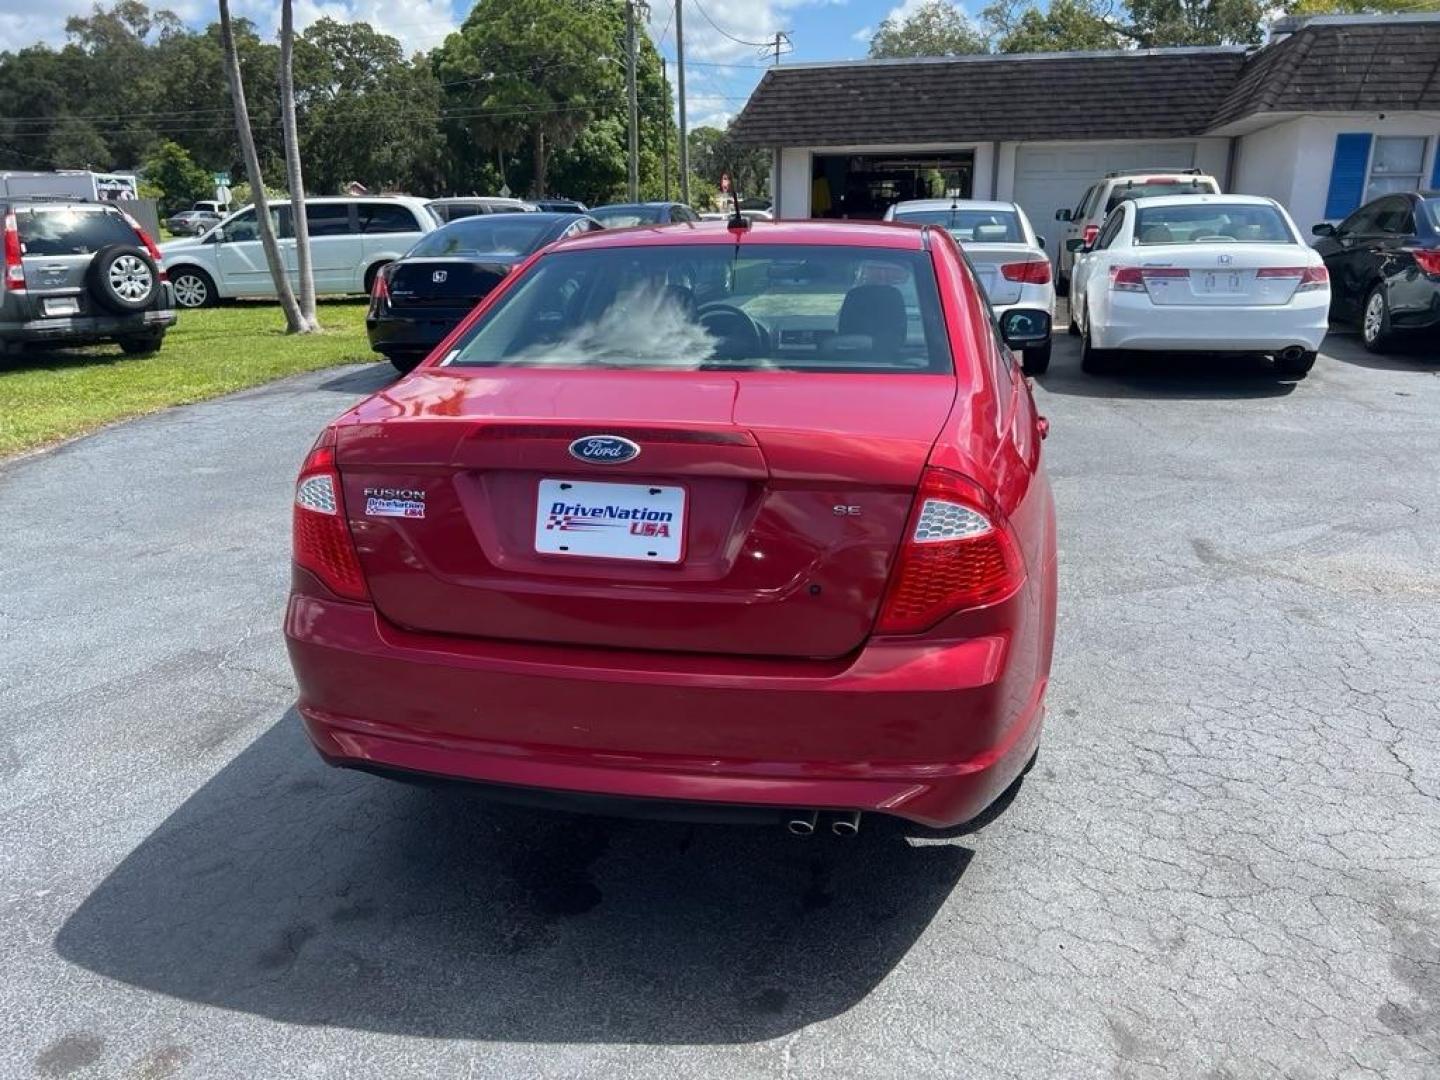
(1154, 169)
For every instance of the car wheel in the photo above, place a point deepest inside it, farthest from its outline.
(1037, 359)
(406, 362)
(123, 279)
(1375, 320)
(1298, 366)
(193, 288)
(141, 344)
(1094, 361)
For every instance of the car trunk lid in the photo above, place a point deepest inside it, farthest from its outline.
(794, 491)
(446, 281)
(1216, 275)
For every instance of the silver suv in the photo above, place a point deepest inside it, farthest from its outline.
(79, 273)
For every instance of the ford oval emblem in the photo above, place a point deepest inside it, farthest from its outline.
(604, 449)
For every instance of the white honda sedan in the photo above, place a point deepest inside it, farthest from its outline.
(1008, 257)
(1200, 273)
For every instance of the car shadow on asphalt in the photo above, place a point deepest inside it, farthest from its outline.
(1200, 376)
(313, 896)
(1418, 353)
(365, 380)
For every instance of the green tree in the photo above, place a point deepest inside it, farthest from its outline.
(171, 169)
(1154, 24)
(1064, 26)
(936, 28)
(77, 144)
(1359, 7)
(532, 74)
(713, 153)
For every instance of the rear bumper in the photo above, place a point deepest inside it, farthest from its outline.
(1135, 322)
(931, 732)
(410, 333)
(86, 328)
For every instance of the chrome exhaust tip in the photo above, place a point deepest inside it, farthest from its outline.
(802, 824)
(1290, 353)
(847, 824)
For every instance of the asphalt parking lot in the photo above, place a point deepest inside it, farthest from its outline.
(1226, 864)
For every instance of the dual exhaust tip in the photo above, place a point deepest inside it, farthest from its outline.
(844, 823)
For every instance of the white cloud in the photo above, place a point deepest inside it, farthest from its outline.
(28, 22)
(863, 35)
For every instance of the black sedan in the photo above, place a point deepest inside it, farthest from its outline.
(628, 215)
(1384, 263)
(418, 299)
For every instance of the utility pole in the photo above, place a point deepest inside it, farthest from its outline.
(684, 134)
(665, 128)
(781, 39)
(630, 70)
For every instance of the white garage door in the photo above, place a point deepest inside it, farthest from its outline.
(1051, 175)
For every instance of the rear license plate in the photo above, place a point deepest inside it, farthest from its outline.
(639, 522)
(1219, 281)
(64, 305)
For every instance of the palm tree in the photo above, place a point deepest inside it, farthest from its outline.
(293, 173)
(294, 321)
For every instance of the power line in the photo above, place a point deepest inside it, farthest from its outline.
(725, 33)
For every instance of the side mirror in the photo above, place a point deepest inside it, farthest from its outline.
(1077, 244)
(1021, 327)
(217, 235)
(1323, 229)
(1063, 214)
(1041, 241)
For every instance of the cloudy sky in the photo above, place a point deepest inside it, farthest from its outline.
(722, 66)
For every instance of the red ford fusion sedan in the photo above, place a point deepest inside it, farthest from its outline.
(703, 519)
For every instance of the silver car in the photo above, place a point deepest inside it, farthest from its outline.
(1007, 255)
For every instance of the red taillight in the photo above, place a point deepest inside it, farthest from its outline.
(957, 554)
(14, 264)
(380, 289)
(1309, 277)
(148, 244)
(1035, 272)
(1126, 279)
(1091, 231)
(322, 541)
(1428, 261)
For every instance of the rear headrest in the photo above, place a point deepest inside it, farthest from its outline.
(878, 312)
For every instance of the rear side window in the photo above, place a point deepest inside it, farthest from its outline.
(68, 231)
(1220, 223)
(386, 218)
(1141, 189)
(713, 307)
(328, 219)
(1432, 212)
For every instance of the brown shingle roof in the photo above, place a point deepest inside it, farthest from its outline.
(1342, 67)
(1326, 66)
(1158, 93)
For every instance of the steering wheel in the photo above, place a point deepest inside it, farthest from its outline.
(741, 336)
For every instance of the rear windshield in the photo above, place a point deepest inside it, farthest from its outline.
(1141, 189)
(71, 231)
(623, 217)
(719, 307)
(501, 234)
(970, 226)
(1432, 211)
(1212, 223)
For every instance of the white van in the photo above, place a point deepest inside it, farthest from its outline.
(350, 239)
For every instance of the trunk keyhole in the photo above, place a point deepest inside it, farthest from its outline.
(814, 590)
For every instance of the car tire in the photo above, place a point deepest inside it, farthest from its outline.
(141, 344)
(1094, 361)
(1037, 360)
(1071, 326)
(1297, 368)
(406, 362)
(1375, 332)
(193, 288)
(123, 279)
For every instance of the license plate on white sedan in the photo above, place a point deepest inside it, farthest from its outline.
(63, 305)
(1218, 281)
(639, 522)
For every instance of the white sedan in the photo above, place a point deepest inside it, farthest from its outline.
(1204, 273)
(1008, 257)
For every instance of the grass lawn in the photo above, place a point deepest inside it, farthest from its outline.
(46, 396)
